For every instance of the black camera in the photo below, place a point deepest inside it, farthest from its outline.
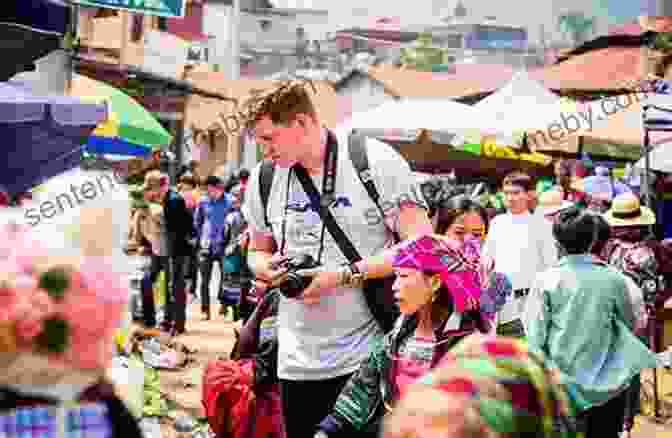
(292, 284)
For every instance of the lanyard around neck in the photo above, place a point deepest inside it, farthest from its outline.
(329, 168)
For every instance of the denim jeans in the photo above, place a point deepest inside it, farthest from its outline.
(206, 262)
(176, 305)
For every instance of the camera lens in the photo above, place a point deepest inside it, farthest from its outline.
(294, 285)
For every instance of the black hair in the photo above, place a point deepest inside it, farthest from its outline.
(213, 180)
(576, 230)
(183, 169)
(455, 207)
(603, 234)
(519, 179)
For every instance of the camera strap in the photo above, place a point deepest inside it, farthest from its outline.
(324, 202)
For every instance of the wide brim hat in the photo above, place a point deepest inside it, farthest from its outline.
(626, 210)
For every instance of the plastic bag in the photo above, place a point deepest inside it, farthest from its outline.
(232, 406)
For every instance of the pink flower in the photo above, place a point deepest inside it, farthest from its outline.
(101, 279)
(35, 309)
(89, 350)
(8, 304)
(28, 329)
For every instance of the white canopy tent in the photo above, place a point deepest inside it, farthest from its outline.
(411, 115)
(522, 105)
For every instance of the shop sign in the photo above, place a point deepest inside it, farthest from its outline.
(491, 149)
(162, 8)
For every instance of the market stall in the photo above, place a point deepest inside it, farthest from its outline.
(42, 134)
(451, 131)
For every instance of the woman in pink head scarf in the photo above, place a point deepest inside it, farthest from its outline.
(438, 309)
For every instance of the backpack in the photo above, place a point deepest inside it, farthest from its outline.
(382, 305)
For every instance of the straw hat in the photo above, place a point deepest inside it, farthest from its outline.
(551, 202)
(626, 210)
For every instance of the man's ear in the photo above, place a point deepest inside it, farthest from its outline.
(305, 121)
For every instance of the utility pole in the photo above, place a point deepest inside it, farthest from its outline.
(234, 24)
(72, 37)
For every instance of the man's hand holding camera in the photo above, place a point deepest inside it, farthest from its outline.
(301, 278)
(323, 280)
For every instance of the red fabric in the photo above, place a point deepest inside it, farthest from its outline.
(232, 407)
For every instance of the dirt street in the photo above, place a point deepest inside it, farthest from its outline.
(215, 338)
(211, 339)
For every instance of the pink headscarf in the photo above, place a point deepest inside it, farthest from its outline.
(458, 266)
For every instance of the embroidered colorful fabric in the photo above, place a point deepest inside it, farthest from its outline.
(535, 401)
(82, 421)
(471, 280)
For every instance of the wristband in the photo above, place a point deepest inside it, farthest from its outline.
(344, 276)
(357, 278)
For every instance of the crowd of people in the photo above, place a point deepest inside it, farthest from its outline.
(187, 230)
(439, 320)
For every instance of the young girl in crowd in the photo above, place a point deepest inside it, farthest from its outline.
(487, 387)
(463, 219)
(439, 289)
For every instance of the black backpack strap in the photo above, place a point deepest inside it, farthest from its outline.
(360, 160)
(265, 183)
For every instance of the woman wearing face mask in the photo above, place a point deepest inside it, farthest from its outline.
(464, 221)
(439, 307)
(487, 387)
(461, 218)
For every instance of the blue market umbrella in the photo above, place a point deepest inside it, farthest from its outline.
(29, 30)
(42, 135)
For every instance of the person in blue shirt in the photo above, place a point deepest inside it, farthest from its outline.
(209, 220)
(579, 315)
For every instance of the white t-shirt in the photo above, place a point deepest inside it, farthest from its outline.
(331, 338)
(522, 245)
